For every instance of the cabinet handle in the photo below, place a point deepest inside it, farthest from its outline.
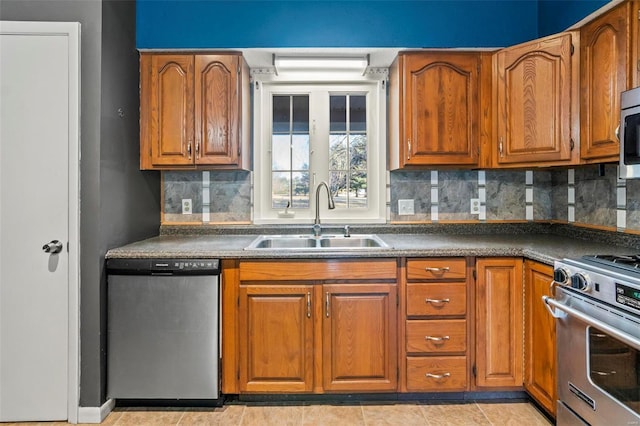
(409, 149)
(437, 339)
(603, 373)
(437, 376)
(326, 304)
(552, 288)
(189, 149)
(436, 301)
(197, 149)
(500, 147)
(309, 304)
(437, 270)
(618, 133)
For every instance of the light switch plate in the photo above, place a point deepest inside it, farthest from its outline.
(187, 206)
(405, 207)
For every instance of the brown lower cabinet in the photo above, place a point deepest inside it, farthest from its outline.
(540, 336)
(499, 323)
(317, 326)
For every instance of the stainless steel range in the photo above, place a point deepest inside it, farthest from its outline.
(597, 311)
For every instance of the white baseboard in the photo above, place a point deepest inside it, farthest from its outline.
(95, 414)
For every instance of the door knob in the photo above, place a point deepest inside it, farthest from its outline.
(53, 247)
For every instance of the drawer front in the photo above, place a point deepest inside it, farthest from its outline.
(437, 373)
(448, 268)
(437, 299)
(436, 336)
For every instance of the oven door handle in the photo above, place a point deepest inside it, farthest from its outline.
(613, 332)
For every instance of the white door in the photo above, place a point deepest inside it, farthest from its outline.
(39, 89)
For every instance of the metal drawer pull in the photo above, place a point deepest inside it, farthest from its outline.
(436, 339)
(603, 373)
(309, 304)
(326, 304)
(438, 376)
(437, 270)
(436, 301)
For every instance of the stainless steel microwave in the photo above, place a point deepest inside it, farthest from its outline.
(630, 134)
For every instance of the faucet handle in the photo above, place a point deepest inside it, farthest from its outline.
(347, 231)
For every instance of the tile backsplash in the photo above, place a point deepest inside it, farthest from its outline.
(591, 195)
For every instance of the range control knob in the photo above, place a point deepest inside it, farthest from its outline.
(581, 281)
(562, 276)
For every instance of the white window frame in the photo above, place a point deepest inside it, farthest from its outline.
(264, 87)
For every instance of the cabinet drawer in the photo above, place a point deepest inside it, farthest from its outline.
(437, 299)
(448, 268)
(434, 336)
(437, 373)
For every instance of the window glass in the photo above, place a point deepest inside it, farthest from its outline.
(290, 152)
(348, 150)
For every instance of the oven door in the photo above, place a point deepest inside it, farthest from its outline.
(598, 361)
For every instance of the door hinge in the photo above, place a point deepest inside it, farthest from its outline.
(474, 371)
(238, 302)
(238, 374)
(397, 300)
(397, 373)
(572, 144)
(475, 276)
(67, 246)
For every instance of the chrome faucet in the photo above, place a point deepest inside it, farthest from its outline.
(316, 224)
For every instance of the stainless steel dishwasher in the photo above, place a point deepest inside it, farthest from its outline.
(163, 328)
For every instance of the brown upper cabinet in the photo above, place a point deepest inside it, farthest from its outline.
(536, 103)
(605, 71)
(194, 111)
(435, 108)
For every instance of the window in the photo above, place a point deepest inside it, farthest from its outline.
(308, 133)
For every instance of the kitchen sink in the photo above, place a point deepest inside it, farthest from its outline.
(324, 242)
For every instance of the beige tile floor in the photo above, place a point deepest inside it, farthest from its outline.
(404, 414)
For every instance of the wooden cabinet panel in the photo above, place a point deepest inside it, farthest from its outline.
(499, 322)
(276, 338)
(540, 337)
(534, 89)
(436, 299)
(170, 107)
(216, 115)
(359, 343)
(437, 373)
(436, 269)
(438, 102)
(376, 269)
(194, 110)
(604, 73)
(436, 336)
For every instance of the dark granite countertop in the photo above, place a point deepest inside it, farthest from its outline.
(543, 243)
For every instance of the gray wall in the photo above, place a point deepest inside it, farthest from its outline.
(119, 203)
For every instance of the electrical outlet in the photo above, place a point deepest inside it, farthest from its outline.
(187, 206)
(405, 207)
(475, 206)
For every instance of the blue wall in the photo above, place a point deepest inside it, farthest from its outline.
(557, 15)
(306, 23)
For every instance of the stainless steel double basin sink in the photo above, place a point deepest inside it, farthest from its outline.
(323, 242)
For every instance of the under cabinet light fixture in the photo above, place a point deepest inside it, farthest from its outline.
(321, 63)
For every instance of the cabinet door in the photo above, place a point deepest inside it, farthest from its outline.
(170, 109)
(441, 108)
(359, 337)
(276, 338)
(499, 322)
(216, 109)
(604, 73)
(540, 337)
(534, 89)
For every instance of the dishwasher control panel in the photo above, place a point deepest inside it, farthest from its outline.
(163, 266)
